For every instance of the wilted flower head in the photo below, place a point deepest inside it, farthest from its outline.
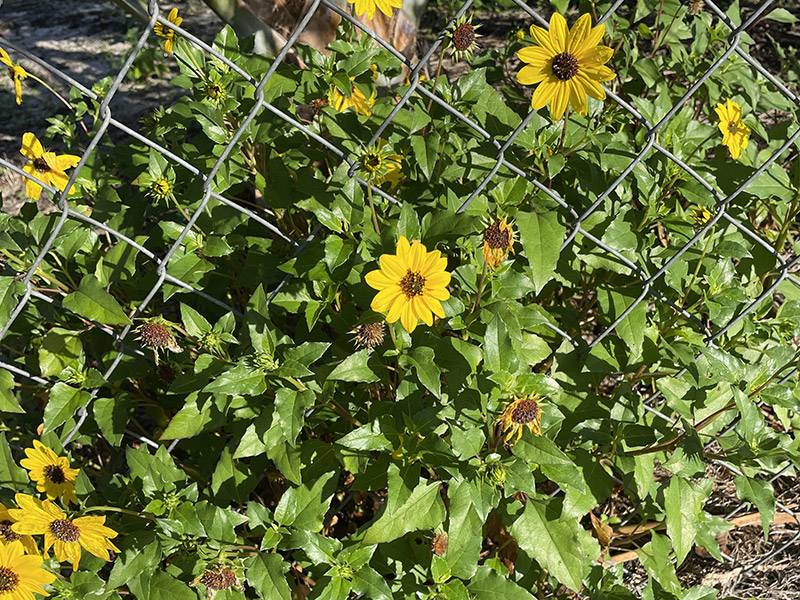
(695, 7)
(16, 72)
(368, 335)
(521, 413)
(165, 32)
(156, 333)
(463, 38)
(498, 241)
(701, 215)
(439, 544)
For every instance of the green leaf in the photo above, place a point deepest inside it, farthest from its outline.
(761, 494)
(10, 290)
(266, 574)
(359, 366)
(682, 510)
(488, 585)
(194, 323)
(8, 401)
(368, 582)
(60, 349)
(290, 406)
(11, 475)
(424, 360)
(112, 415)
(426, 151)
(166, 587)
(465, 531)
(542, 236)
(93, 302)
(64, 402)
(305, 506)
(781, 15)
(552, 542)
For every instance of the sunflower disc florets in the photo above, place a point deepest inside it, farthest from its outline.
(156, 333)
(521, 413)
(377, 160)
(498, 241)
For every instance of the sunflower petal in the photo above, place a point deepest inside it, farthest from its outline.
(578, 33)
(378, 280)
(543, 94)
(558, 32)
(531, 75)
(31, 146)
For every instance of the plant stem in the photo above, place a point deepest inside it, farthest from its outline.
(124, 511)
(435, 85)
(788, 220)
(372, 209)
(564, 130)
(60, 97)
(480, 290)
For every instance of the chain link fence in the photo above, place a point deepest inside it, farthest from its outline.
(648, 290)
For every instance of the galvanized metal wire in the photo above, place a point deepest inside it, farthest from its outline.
(647, 291)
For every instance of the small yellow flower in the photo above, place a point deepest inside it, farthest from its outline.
(567, 65)
(412, 284)
(701, 215)
(22, 575)
(368, 7)
(521, 413)
(51, 472)
(37, 517)
(498, 240)
(16, 72)
(379, 164)
(8, 536)
(357, 99)
(734, 131)
(45, 166)
(165, 32)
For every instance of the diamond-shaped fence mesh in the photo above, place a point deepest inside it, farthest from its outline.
(648, 290)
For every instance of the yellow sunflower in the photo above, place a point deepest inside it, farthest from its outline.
(37, 517)
(22, 575)
(734, 131)
(51, 472)
(498, 240)
(521, 413)
(567, 65)
(45, 166)
(165, 32)
(8, 536)
(368, 7)
(411, 284)
(16, 72)
(357, 99)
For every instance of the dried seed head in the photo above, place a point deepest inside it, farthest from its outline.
(219, 578)
(463, 36)
(368, 335)
(318, 104)
(526, 411)
(439, 544)
(155, 335)
(695, 7)
(496, 237)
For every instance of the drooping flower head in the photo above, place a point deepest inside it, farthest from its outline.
(16, 72)
(567, 65)
(521, 413)
(463, 38)
(734, 131)
(51, 472)
(411, 284)
(216, 579)
(165, 32)
(356, 99)
(156, 333)
(368, 7)
(45, 166)
(67, 536)
(22, 575)
(498, 241)
(701, 215)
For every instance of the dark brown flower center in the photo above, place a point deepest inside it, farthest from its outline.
(41, 166)
(565, 66)
(214, 90)
(495, 237)
(64, 530)
(412, 284)
(8, 534)
(526, 412)
(372, 161)
(9, 580)
(55, 474)
(218, 579)
(463, 36)
(733, 127)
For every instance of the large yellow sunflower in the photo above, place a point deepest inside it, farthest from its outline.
(16, 72)
(368, 7)
(8, 536)
(521, 413)
(411, 284)
(51, 472)
(37, 517)
(567, 65)
(22, 575)
(45, 166)
(734, 131)
(165, 32)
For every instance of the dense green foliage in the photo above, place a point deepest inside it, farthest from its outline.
(315, 469)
